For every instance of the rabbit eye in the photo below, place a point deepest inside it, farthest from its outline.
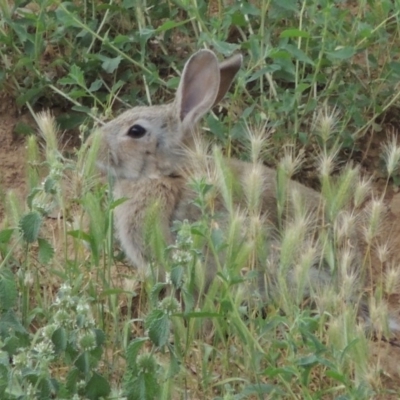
(136, 131)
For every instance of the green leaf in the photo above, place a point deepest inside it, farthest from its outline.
(158, 324)
(133, 350)
(238, 19)
(72, 380)
(21, 128)
(217, 239)
(289, 5)
(337, 376)
(83, 363)
(5, 235)
(225, 48)
(96, 85)
(31, 95)
(77, 76)
(46, 251)
(10, 323)
(100, 336)
(290, 33)
(121, 39)
(307, 361)
(298, 53)
(78, 234)
(110, 64)
(30, 226)
(97, 387)
(70, 120)
(168, 25)
(8, 290)
(177, 274)
(342, 53)
(260, 390)
(67, 18)
(60, 339)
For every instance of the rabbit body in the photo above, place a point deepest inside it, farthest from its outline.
(145, 149)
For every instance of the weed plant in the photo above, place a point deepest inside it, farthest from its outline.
(75, 323)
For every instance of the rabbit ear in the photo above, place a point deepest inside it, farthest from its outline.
(198, 87)
(228, 69)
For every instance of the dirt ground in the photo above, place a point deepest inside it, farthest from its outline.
(12, 153)
(385, 355)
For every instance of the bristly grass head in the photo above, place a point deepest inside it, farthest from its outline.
(392, 279)
(325, 123)
(49, 131)
(253, 187)
(290, 163)
(391, 155)
(373, 220)
(362, 191)
(258, 142)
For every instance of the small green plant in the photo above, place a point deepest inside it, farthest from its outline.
(69, 342)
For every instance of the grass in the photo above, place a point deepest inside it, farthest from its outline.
(320, 78)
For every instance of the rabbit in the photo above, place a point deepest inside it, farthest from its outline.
(147, 151)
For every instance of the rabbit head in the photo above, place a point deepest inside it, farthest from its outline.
(148, 141)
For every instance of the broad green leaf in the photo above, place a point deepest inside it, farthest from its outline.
(289, 5)
(21, 128)
(100, 336)
(158, 324)
(298, 54)
(9, 322)
(31, 95)
(96, 85)
(97, 387)
(133, 350)
(341, 53)
(50, 185)
(110, 64)
(60, 339)
(70, 120)
(8, 290)
(73, 378)
(30, 226)
(83, 363)
(68, 18)
(5, 235)
(225, 48)
(238, 19)
(46, 251)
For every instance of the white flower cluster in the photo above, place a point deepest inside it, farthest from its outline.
(182, 257)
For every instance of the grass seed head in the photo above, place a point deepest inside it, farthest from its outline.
(392, 279)
(347, 263)
(391, 155)
(378, 313)
(253, 187)
(344, 226)
(374, 210)
(383, 250)
(363, 188)
(325, 122)
(49, 131)
(258, 143)
(326, 163)
(290, 163)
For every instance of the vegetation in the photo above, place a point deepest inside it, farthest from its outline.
(74, 321)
